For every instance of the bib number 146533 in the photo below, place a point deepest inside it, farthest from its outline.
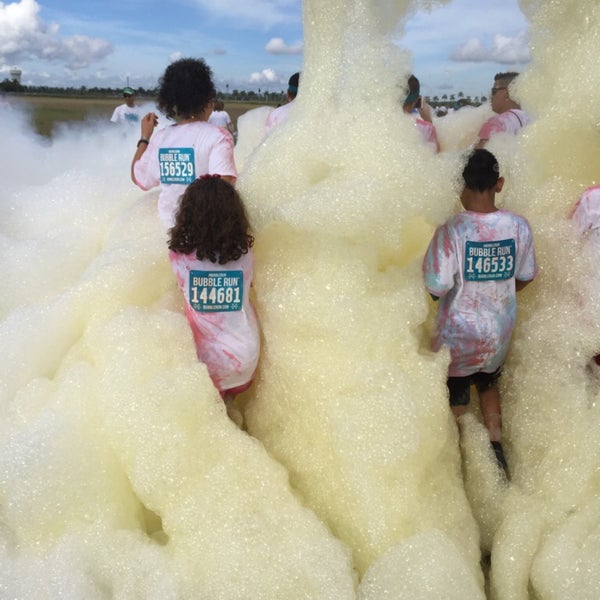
(486, 261)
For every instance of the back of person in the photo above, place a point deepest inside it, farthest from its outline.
(211, 256)
(177, 155)
(478, 312)
(417, 108)
(220, 118)
(222, 319)
(474, 265)
(280, 115)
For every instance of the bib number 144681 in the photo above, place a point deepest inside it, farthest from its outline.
(216, 291)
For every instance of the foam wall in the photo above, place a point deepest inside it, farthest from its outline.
(121, 475)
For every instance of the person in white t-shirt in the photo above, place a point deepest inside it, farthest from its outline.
(509, 117)
(280, 115)
(220, 117)
(474, 265)
(128, 112)
(417, 108)
(586, 218)
(178, 154)
(211, 256)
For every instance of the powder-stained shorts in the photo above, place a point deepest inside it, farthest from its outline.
(459, 386)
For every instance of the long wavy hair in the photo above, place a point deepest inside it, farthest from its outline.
(185, 89)
(211, 221)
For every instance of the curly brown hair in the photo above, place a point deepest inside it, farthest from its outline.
(211, 220)
(185, 89)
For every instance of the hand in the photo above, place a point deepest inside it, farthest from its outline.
(149, 122)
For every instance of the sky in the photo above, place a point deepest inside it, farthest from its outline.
(249, 44)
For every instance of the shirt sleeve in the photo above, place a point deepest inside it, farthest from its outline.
(526, 267)
(146, 170)
(440, 263)
(586, 214)
(221, 161)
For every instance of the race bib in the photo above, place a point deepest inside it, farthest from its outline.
(176, 165)
(216, 291)
(490, 260)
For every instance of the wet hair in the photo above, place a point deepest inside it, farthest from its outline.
(482, 171)
(211, 221)
(185, 89)
(219, 105)
(293, 84)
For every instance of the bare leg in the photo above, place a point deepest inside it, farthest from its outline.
(459, 410)
(232, 412)
(489, 400)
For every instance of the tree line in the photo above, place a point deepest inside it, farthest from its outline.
(14, 87)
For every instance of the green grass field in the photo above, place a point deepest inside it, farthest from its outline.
(48, 111)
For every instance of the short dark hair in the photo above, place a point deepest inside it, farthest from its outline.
(482, 171)
(507, 77)
(186, 88)
(211, 221)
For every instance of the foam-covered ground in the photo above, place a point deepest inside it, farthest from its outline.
(121, 475)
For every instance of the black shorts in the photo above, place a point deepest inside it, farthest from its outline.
(459, 387)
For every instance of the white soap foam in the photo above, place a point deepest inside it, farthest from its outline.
(121, 475)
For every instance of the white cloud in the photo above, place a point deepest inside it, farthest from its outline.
(504, 50)
(24, 36)
(278, 46)
(265, 76)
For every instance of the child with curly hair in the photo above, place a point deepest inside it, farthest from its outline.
(176, 155)
(211, 256)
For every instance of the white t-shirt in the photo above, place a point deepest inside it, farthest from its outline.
(220, 118)
(127, 114)
(471, 264)
(586, 217)
(221, 316)
(510, 121)
(278, 116)
(179, 154)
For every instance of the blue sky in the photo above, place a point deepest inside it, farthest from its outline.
(249, 44)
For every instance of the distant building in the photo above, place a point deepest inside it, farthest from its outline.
(15, 74)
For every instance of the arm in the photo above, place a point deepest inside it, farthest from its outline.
(425, 111)
(439, 264)
(148, 124)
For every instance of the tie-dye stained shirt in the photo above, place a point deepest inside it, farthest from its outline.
(510, 121)
(586, 217)
(221, 316)
(471, 265)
